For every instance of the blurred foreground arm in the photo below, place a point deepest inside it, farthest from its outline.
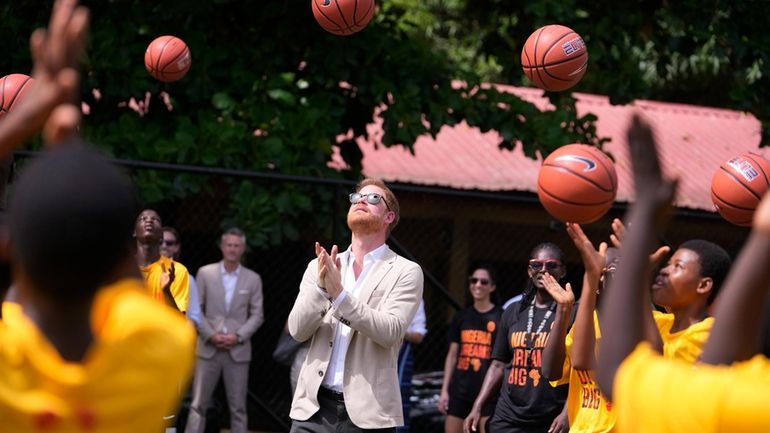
(56, 52)
(738, 314)
(621, 311)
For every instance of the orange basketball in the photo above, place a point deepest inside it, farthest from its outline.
(343, 17)
(13, 87)
(577, 183)
(167, 58)
(738, 186)
(554, 58)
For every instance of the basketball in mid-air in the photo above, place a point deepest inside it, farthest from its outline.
(554, 58)
(577, 183)
(13, 88)
(737, 187)
(167, 59)
(343, 17)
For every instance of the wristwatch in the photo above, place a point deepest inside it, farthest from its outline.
(240, 339)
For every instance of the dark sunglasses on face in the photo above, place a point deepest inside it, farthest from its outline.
(548, 265)
(371, 198)
(482, 281)
(169, 243)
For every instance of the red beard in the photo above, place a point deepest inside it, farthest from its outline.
(365, 222)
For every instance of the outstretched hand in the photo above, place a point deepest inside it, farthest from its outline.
(619, 230)
(56, 53)
(593, 259)
(652, 189)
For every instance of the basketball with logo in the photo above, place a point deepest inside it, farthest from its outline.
(13, 89)
(554, 58)
(577, 183)
(737, 187)
(343, 17)
(167, 58)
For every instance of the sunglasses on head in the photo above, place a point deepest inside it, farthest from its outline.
(548, 265)
(371, 198)
(482, 281)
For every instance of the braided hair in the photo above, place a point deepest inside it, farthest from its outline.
(531, 290)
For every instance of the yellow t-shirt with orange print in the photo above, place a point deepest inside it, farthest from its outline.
(180, 287)
(128, 380)
(588, 410)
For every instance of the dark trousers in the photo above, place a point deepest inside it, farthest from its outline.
(332, 417)
(405, 373)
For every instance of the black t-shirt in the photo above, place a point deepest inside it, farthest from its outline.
(475, 333)
(526, 397)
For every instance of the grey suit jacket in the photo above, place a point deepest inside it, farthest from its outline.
(379, 317)
(243, 318)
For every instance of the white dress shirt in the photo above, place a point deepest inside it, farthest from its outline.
(334, 373)
(419, 322)
(229, 280)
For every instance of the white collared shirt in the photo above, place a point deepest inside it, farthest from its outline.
(352, 286)
(229, 280)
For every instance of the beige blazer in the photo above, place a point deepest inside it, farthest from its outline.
(379, 317)
(244, 316)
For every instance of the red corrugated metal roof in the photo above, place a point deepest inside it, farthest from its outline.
(693, 141)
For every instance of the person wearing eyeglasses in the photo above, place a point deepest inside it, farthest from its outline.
(355, 308)
(168, 281)
(171, 247)
(527, 403)
(471, 336)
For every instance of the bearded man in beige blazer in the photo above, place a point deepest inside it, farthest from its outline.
(231, 303)
(355, 307)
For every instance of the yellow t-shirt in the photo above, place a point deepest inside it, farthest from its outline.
(686, 344)
(11, 310)
(587, 409)
(657, 395)
(180, 287)
(128, 380)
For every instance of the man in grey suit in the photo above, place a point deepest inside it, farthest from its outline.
(355, 309)
(231, 303)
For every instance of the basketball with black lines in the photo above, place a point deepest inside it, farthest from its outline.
(167, 58)
(13, 88)
(343, 17)
(737, 187)
(554, 58)
(577, 183)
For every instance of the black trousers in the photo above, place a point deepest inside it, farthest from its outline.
(332, 417)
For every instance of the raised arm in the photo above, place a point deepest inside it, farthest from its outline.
(621, 310)
(555, 351)
(309, 308)
(651, 331)
(736, 334)
(583, 354)
(56, 53)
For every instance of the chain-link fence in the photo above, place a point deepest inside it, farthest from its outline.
(446, 231)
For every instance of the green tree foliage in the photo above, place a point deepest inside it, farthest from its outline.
(270, 91)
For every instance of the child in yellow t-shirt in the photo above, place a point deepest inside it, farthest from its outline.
(572, 359)
(167, 280)
(651, 393)
(89, 350)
